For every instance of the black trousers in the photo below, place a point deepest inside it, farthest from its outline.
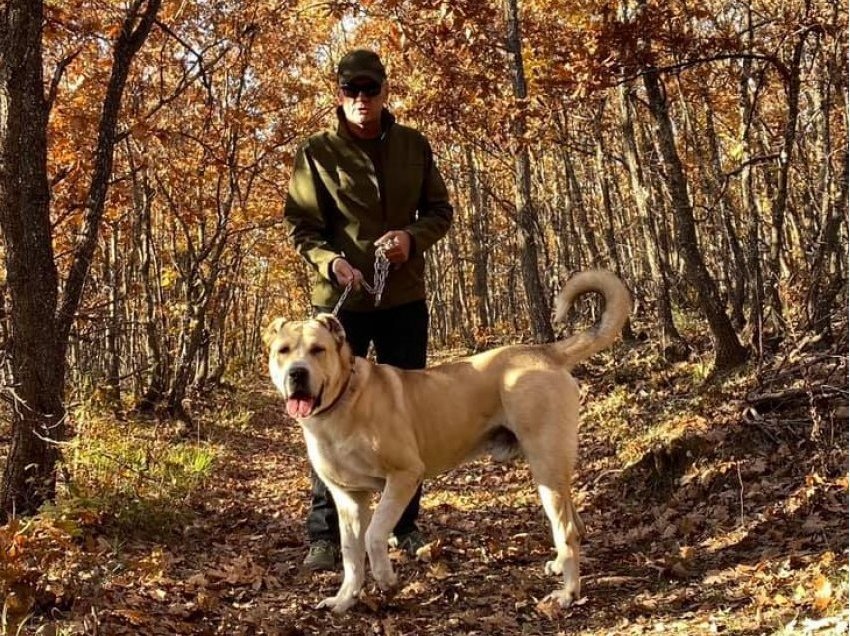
(400, 336)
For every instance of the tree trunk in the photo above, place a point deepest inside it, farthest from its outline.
(751, 209)
(142, 201)
(437, 316)
(220, 333)
(480, 237)
(578, 205)
(780, 202)
(38, 364)
(613, 257)
(260, 305)
(113, 329)
(735, 268)
(670, 337)
(202, 360)
(538, 302)
(825, 275)
(191, 337)
(728, 351)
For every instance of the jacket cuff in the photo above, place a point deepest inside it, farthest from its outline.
(322, 260)
(413, 242)
(419, 239)
(329, 272)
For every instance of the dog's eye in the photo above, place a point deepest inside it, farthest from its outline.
(283, 350)
(316, 350)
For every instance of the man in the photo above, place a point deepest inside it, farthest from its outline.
(368, 181)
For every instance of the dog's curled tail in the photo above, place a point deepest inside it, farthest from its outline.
(618, 304)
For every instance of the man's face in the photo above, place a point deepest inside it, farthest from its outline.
(362, 100)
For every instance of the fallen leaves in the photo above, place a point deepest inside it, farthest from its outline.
(747, 531)
(822, 593)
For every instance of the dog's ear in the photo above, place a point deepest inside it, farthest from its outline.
(332, 324)
(271, 331)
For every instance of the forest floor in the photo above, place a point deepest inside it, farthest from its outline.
(715, 507)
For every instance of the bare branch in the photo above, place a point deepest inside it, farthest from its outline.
(58, 72)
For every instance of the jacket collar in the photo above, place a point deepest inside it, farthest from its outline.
(387, 120)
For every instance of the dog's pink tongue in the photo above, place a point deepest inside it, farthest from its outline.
(299, 407)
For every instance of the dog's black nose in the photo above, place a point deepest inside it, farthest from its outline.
(298, 375)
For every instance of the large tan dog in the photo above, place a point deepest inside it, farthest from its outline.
(372, 427)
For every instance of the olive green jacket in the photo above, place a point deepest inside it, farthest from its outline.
(336, 207)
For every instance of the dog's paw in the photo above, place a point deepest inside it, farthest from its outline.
(338, 604)
(554, 567)
(387, 580)
(563, 597)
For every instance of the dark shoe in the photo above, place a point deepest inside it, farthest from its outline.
(323, 555)
(411, 543)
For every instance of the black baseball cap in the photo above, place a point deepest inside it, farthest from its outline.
(360, 63)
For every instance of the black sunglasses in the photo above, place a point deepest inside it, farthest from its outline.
(372, 89)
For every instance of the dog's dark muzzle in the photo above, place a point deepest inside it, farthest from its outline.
(298, 380)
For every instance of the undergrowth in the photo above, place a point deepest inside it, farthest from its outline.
(118, 481)
(133, 475)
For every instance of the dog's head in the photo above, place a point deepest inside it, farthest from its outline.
(309, 362)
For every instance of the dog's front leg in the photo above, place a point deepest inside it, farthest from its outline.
(353, 511)
(398, 491)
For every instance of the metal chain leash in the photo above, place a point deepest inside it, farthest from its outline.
(382, 271)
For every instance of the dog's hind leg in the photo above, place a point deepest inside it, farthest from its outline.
(551, 459)
(353, 511)
(566, 533)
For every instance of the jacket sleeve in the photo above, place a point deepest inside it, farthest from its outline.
(435, 211)
(305, 214)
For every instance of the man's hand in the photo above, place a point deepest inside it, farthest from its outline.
(345, 273)
(397, 244)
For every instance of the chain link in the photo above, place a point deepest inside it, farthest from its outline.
(382, 272)
(342, 298)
